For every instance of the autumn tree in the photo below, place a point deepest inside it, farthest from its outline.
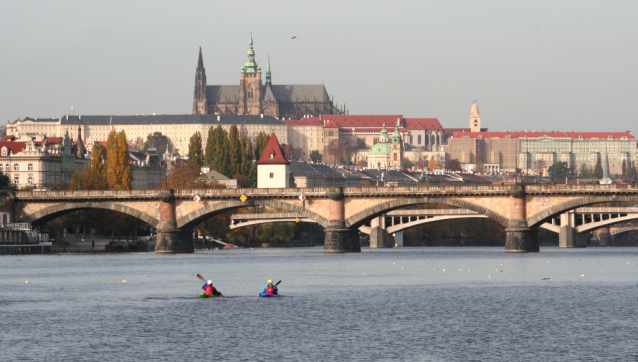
(118, 173)
(539, 166)
(77, 182)
(453, 165)
(136, 145)
(195, 152)
(98, 161)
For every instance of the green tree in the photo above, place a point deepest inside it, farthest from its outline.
(210, 146)
(247, 156)
(195, 152)
(598, 170)
(5, 182)
(585, 171)
(260, 144)
(316, 156)
(159, 141)
(234, 156)
(407, 163)
(558, 170)
(631, 173)
(77, 182)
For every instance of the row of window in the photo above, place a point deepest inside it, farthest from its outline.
(16, 180)
(16, 167)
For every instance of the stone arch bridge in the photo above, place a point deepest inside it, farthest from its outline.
(341, 211)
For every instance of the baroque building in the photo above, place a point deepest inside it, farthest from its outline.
(253, 96)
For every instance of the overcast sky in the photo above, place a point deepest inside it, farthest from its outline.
(552, 65)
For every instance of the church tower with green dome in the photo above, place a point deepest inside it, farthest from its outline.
(396, 149)
(250, 84)
(387, 153)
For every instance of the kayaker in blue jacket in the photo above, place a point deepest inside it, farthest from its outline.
(270, 288)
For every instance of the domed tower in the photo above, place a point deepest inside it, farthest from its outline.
(396, 149)
(250, 84)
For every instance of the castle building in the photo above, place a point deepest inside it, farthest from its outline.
(254, 97)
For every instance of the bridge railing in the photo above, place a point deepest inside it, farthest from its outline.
(320, 191)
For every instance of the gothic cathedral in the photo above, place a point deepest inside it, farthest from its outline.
(252, 97)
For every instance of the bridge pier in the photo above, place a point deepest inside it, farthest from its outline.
(170, 239)
(604, 237)
(379, 237)
(339, 239)
(568, 237)
(519, 238)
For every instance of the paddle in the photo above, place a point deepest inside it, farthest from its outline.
(204, 279)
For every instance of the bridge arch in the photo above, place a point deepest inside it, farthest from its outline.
(361, 217)
(196, 217)
(52, 212)
(539, 217)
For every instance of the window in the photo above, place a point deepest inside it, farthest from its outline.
(30, 167)
(4, 151)
(30, 180)
(272, 157)
(16, 180)
(0, 167)
(418, 139)
(330, 133)
(395, 156)
(7, 168)
(15, 167)
(272, 175)
(361, 143)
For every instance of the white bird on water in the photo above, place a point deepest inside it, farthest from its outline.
(582, 275)
(26, 281)
(123, 280)
(443, 269)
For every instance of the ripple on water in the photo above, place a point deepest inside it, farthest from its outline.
(380, 305)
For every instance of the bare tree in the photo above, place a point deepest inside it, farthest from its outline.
(538, 166)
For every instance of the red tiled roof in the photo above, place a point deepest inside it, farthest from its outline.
(54, 140)
(330, 124)
(8, 137)
(423, 123)
(15, 147)
(605, 135)
(272, 148)
(450, 131)
(364, 120)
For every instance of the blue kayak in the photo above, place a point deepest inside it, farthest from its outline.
(267, 295)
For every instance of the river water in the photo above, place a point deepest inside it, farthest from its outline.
(404, 304)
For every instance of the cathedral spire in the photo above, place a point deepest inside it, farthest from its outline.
(268, 77)
(199, 98)
(250, 66)
(200, 62)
